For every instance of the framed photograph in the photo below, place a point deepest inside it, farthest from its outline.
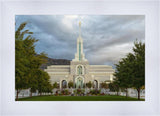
(86, 69)
(80, 58)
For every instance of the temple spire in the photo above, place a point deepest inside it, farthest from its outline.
(79, 56)
(79, 28)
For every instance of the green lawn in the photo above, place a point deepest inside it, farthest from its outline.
(79, 98)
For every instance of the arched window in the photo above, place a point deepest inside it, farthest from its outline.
(95, 84)
(64, 84)
(79, 70)
(79, 83)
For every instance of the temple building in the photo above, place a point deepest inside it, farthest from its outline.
(80, 71)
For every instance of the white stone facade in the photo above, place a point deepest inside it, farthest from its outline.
(79, 71)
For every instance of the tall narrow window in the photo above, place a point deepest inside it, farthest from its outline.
(79, 83)
(79, 51)
(64, 84)
(79, 70)
(95, 84)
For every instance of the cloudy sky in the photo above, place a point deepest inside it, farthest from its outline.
(107, 38)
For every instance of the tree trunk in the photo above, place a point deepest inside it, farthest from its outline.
(126, 92)
(31, 94)
(138, 90)
(17, 95)
(117, 93)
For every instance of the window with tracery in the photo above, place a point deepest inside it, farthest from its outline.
(79, 70)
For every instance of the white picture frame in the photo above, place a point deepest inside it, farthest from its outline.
(10, 8)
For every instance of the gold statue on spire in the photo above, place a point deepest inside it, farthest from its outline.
(79, 23)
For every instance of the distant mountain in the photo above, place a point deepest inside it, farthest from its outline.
(51, 61)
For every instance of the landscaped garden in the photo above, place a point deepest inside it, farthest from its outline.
(80, 98)
(129, 74)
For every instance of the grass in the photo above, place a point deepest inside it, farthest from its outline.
(79, 98)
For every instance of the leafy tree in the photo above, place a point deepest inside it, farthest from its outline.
(115, 85)
(35, 62)
(48, 88)
(43, 81)
(70, 84)
(130, 71)
(143, 87)
(124, 72)
(27, 61)
(89, 84)
(55, 85)
(139, 66)
(21, 60)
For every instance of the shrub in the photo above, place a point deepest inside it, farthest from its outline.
(57, 93)
(79, 91)
(95, 92)
(102, 94)
(65, 92)
(89, 84)
(55, 85)
(70, 84)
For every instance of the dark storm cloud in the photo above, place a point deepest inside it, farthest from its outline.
(106, 38)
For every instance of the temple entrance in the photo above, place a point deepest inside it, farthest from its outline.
(95, 84)
(79, 82)
(64, 84)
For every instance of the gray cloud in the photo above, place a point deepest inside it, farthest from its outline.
(107, 38)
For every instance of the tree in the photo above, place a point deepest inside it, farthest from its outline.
(35, 62)
(123, 73)
(55, 85)
(114, 86)
(70, 84)
(21, 60)
(48, 88)
(89, 84)
(27, 61)
(130, 71)
(139, 66)
(43, 81)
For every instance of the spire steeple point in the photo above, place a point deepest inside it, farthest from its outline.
(79, 56)
(79, 28)
(79, 23)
